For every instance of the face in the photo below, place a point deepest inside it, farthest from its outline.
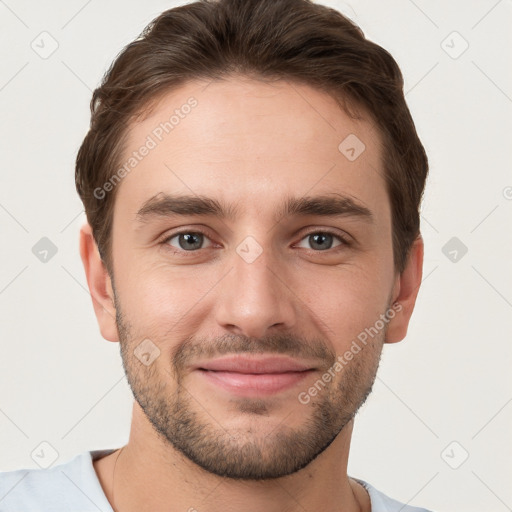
(251, 257)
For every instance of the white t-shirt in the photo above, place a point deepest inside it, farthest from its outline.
(74, 487)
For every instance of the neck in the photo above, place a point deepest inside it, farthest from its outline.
(151, 475)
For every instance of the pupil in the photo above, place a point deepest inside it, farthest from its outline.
(191, 241)
(319, 239)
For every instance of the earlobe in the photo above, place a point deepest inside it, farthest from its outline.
(405, 292)
(100, 286)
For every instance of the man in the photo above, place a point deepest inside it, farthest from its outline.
(251, 179)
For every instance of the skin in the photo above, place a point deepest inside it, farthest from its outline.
(249, 144)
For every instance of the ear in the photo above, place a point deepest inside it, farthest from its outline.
(99, 283)
(405, 291)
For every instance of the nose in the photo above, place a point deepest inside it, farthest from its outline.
(255, 299)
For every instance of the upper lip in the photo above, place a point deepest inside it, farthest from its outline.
(260, 364)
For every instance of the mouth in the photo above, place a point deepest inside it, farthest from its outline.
(254, 376)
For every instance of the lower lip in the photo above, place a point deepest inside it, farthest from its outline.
(247, 384)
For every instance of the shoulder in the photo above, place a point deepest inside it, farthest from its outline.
(382, 503)
(68, 486)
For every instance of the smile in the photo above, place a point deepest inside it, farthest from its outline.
(258, 376)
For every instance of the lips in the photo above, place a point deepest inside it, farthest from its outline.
(244, 364)
(254, 376)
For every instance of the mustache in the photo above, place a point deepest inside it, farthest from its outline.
(283, 343)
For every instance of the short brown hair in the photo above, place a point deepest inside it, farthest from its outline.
(295, 40)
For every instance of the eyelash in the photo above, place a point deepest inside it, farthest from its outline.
(345, 242)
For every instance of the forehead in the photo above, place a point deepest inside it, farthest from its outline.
(251, 142)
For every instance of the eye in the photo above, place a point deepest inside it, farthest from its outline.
(322, 241)
(188, 240)
(192, 241)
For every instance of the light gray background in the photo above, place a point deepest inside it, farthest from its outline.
(61, 383)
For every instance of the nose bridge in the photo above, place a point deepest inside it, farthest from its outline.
(253, 299)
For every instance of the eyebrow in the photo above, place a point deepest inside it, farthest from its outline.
(166, 205)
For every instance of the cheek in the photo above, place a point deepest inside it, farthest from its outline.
(345, 301)
(162, 301)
